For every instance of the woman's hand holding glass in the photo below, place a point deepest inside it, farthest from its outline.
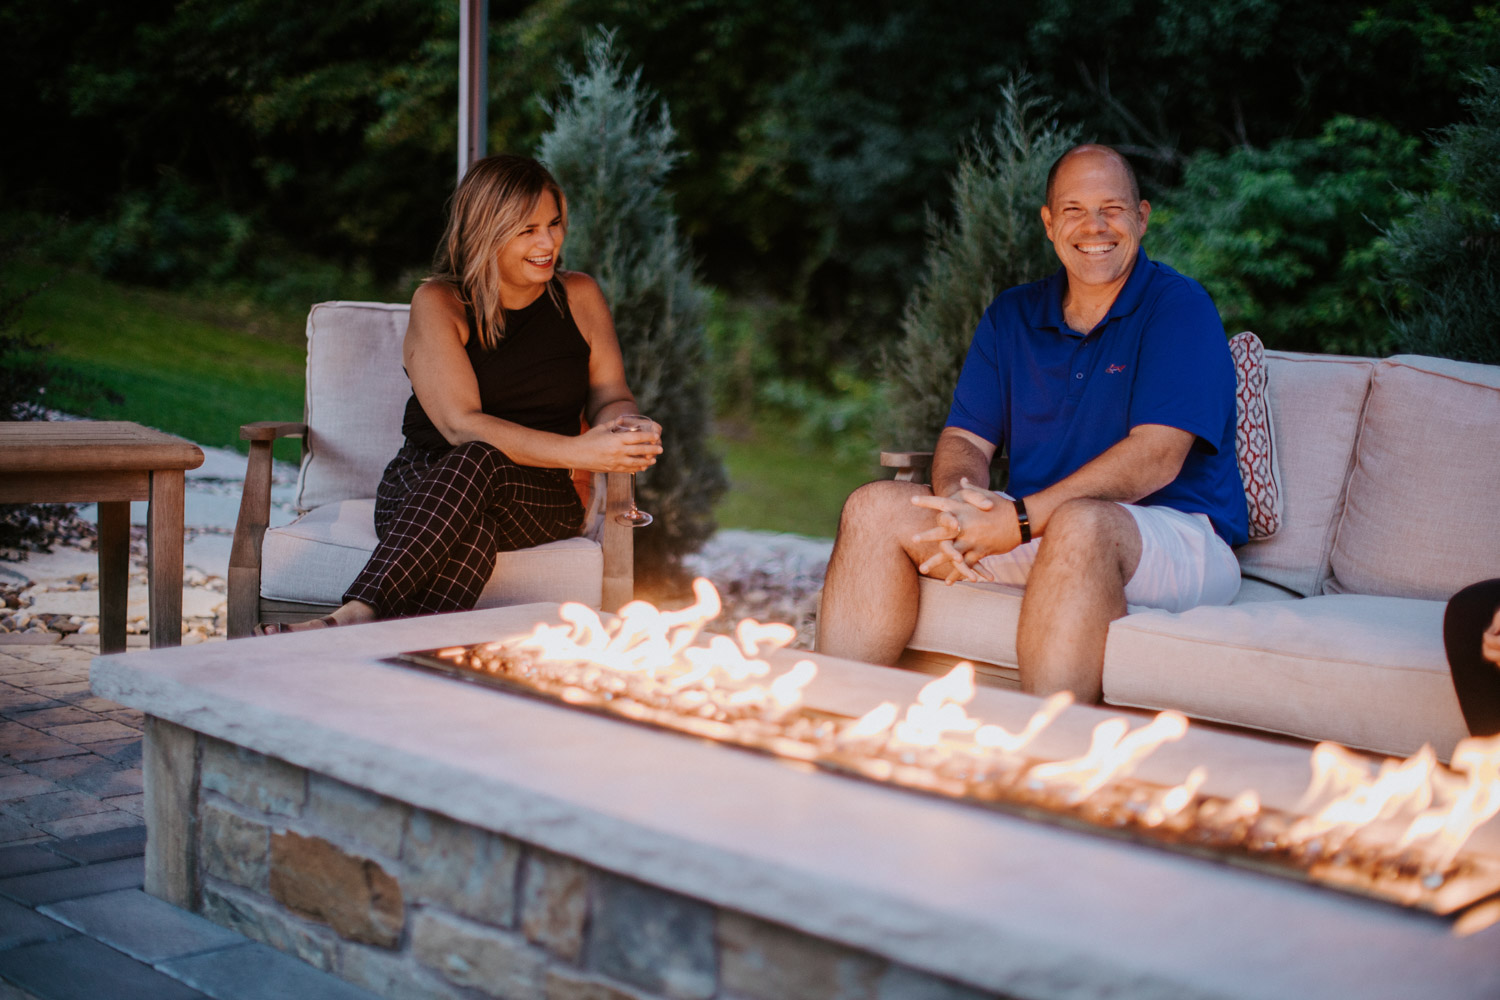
(635, 423)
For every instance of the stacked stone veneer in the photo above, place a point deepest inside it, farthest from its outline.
(412, 904)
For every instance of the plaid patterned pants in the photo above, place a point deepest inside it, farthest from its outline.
(441, 516)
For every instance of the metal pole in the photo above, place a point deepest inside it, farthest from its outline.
(473, 81)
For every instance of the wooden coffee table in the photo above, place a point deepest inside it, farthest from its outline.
(110, 463)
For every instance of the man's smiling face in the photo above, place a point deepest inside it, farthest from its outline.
(1095, 220)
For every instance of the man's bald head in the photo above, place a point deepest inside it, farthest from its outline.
(1095, 149)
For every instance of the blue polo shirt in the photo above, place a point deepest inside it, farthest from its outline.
(1059, 398)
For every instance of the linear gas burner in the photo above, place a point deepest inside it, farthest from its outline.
(1393, 833)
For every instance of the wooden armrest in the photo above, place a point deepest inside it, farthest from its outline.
(270, 430)
(912, 466)
(906, 459)
(611, 496)
(250, 528)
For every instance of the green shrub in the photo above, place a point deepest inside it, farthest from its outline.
(995, 240)
(1445, 253)
(1284, 238)
(170, 235)
(845, 419)
(612, 152)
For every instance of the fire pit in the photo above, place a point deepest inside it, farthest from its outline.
(1393, 832)
(413, 834)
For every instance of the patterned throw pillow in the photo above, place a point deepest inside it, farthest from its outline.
(1254, 441)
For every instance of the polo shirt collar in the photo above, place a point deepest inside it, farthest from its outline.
(1048, 313)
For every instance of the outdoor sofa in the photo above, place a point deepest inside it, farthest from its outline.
(1388, 479)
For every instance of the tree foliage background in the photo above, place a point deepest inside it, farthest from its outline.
(302, 148)
(1445, 253)
(611, 148)
(994, 241)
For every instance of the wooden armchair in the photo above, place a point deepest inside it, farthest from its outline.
(356, 394)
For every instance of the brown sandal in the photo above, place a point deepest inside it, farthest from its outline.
(285, 628)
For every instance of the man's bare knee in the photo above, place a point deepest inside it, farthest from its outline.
(1086, 532)
(883, 507)
(1088, 522)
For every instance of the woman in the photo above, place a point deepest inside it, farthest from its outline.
(1471, 635)
(505, 352)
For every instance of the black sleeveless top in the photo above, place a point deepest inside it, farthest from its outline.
(537, 376)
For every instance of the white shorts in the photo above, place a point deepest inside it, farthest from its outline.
(1184, 563)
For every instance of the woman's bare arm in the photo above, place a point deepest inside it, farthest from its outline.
(444, 382)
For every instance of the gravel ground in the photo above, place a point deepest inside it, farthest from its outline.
(762, 575)
(42, 605)
(766, 576)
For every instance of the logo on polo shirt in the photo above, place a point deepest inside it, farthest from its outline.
(1115, 369)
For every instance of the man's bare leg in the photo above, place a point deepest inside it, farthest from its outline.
(870, 595)
(1076, 588)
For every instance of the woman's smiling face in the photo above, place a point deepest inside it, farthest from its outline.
(529, 259)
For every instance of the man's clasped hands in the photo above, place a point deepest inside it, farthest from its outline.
(972, 523)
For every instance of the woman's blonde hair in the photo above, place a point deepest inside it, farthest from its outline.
(490, 207)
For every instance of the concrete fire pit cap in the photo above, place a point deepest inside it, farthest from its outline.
(1010, 906)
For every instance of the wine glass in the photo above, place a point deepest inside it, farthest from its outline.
(635, 517)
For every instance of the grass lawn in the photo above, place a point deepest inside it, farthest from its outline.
(200, 369)
(193, 368)
(777, 484)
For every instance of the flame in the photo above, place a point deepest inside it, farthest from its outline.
(786, 690)
(653, 661)
(1176, 799)
(1224, 815)
(999, 738)
(1399, 786)
(873, 723)
(1444, 831)
(652, 653)
(752, 635)
(1112, 754)
(939, 709)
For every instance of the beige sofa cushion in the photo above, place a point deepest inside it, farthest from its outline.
(972, 620)
(356, 394)
(977, 621)
(1316, 401)
(315, 558)
(1422, 514)
(1368, 672)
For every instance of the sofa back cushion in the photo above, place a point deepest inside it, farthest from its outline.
(1316, 402)
(1422, 516)
(356, 395)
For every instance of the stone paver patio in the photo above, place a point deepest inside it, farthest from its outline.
(74, 923)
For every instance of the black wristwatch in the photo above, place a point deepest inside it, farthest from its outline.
(1022, 520)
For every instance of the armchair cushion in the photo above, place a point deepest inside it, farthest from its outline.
(315, 558)
(356, 394)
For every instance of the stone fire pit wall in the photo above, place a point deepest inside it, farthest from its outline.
(426, 838)
(410, 903)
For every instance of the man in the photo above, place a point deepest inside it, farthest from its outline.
(1112, 385)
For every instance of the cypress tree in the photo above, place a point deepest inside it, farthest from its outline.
(610, 147)
(1445, 254)
(994, 240)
